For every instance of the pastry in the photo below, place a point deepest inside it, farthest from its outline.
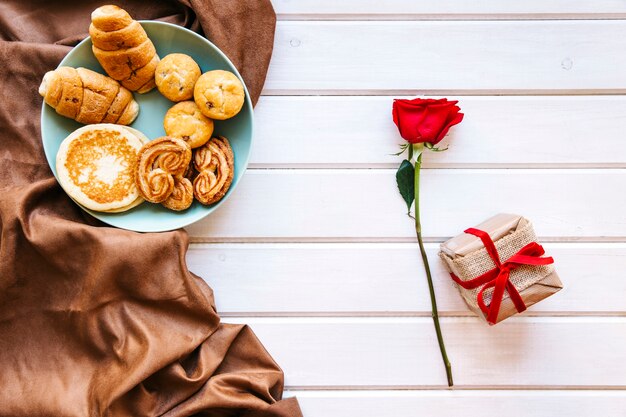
(123, 48)
(219, 94)
(143, 138)
(185, 121)
(176, 75)
(159, 164)
(88, 97)
(182, 195)
(134, 204)
(215, 164)
(96, 167)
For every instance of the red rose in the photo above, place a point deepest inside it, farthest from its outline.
(425, 119)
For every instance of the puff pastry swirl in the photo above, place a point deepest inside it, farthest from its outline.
(160, 165)
(182, 195)
(215, 164)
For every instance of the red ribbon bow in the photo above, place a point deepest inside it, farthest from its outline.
(499, 276)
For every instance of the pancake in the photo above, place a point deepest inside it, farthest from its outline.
(134, 204)
(96, 166)
(143, 138)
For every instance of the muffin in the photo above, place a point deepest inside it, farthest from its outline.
(185, 121)
(219, 94)
(176, 76)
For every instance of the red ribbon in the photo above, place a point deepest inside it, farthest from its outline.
(499, 276)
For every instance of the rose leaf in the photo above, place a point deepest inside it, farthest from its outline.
(405, 181)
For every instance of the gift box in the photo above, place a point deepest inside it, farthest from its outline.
(499, 267)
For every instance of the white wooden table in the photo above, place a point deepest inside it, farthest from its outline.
(313, 249)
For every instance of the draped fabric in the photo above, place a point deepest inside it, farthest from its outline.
(97, 321)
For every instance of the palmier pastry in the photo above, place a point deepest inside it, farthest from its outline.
(215, 164)
(182, 196)
(184, 121)
(219, 94)
(160, 164)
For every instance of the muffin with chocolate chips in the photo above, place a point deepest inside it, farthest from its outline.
(176, 76)
(185, 121)
(219, 94)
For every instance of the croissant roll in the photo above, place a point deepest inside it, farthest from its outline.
(119, 111)
(137, 81)
(112, 40)
(215, 163)
(159, 164)
(88, 97)
(123, 48)
(182, 195)
(62, 89)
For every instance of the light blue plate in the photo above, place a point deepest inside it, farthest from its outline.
(168, 39)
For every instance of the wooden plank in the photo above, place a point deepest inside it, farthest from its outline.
(402, 352)
(385, 278)
(509, 131)
(510, 403)
(448, 9)
(525, 57)
(364, 204)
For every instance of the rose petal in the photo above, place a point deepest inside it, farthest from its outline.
(423, 102)
(408, 119)
(455, 118)
(434, 122)
(425, 119)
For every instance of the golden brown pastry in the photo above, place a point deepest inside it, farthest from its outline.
(88, 97)
(219, 94)
(123, 48)
(160, 164)
(185, 121)
(182, 195)
(176, 75)
(96, 167)
(215, 164)
(191, 172)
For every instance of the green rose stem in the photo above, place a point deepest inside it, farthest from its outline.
(431, 289)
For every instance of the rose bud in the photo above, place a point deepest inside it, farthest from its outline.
(425, 120)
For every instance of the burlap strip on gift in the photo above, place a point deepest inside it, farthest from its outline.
(479, 262)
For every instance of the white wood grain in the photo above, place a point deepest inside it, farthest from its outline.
(403, 353)
(365, 204)
(479, 403)
(448, 57)
(448, 9)
(384, 343)
(387, 278)
(535, 131)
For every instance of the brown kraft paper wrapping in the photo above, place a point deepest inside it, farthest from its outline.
(97, 321)
(466, 257)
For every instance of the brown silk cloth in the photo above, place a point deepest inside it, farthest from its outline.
(97, 321)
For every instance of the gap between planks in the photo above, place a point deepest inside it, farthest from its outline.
(435, 92)
(444, 388)
(435, 165)
(248, 319)
(447, 10)
(413, 314)
(414, 17)
(309, 240)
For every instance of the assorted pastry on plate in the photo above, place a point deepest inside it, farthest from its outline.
(107, 166)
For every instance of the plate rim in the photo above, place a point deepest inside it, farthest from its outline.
(233, 186)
